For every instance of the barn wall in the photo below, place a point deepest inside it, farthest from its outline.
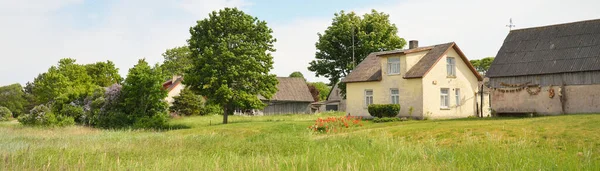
(577, 78)
(579, 99)
(274, 108)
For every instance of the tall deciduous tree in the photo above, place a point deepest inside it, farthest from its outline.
(142, 94)
(63, 83)
(482, 65)
(104, 74)
(231, 56)
(177, 60)
(13, 98)
(372, 33)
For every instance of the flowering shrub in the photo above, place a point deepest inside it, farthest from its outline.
(335, 124)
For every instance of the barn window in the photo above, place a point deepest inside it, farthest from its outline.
(368, 97)
(457, 94)
(393, 65)
(395, 96)
(451, 66)
(444, 98)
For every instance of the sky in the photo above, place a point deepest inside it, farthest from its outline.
(35, 34)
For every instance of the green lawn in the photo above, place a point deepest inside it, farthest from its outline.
(570, 142)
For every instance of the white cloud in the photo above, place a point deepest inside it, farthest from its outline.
(296, 46)
(478, 27)
(35, 38)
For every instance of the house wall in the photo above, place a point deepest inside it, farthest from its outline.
(274, 108)
(578, 99)
(437, 78)
(410, 90)
(173, 93)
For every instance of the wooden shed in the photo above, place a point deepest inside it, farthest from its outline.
(548, 70)
(292, 97)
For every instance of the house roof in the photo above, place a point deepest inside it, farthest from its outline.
(370, 68)
(562, 48)
(291, 89)
(170, 84)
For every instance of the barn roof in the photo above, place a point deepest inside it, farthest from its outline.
(562, 48)
(370, 68)
(292, 89)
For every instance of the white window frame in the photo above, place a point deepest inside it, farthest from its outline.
(457, 96)
(393, 65)
(451, 66)
(395, 98)
(369, 98)
(444, 99)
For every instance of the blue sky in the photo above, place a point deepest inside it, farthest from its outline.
(35, 34)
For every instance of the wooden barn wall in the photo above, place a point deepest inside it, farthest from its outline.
(274, 108)
(577, 78)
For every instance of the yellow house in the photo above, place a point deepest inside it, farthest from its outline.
(428, 82)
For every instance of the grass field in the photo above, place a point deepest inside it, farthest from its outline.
(570, 142)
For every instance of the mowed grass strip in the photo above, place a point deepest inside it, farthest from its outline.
(569, 142)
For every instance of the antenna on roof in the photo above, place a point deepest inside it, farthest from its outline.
(510, 25)
(353, 62)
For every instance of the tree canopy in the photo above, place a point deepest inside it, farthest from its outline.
(104, 74)
(177, 60)
(482, 65)
(63, 83)
(13, 97)
(323, 89)
(372, 33)
(231, 57)
(297, 74)
(142, 94)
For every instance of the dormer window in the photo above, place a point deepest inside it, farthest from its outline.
(393, 65)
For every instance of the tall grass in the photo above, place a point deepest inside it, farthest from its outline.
(567, 142)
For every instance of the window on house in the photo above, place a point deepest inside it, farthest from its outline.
(444, 98)
(451, 66)
(393, 65)
(368, 97)
(457, 94)
(395, 96)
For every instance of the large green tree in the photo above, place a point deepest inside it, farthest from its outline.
(142, 94)
(482, 65)
(63, 83)
(177, 60)
(104, 74)
(13, 97)
(372, 33)
(231, 56)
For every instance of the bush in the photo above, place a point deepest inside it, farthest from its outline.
(73, 111)
(187, 103)
(388, 119)
(5, 113)
(154, 122)
(384, 110)
(211, 109)
(42, 116)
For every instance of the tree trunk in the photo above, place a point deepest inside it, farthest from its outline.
(225, 114)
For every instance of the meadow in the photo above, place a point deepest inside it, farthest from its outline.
(568, 142)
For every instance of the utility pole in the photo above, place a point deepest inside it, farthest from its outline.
(353, 62)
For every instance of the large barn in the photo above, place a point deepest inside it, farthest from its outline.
(548, 70)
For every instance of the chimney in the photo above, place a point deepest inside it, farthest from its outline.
(174, 79)
(413, 44)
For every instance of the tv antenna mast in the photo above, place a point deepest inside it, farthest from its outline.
(510, 24)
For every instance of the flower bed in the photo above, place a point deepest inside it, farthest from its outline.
(335, 124)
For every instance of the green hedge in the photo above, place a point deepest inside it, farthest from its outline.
(384, 110)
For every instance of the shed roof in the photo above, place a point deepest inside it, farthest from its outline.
(562, 48)
(370, 68)
(292, 89)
